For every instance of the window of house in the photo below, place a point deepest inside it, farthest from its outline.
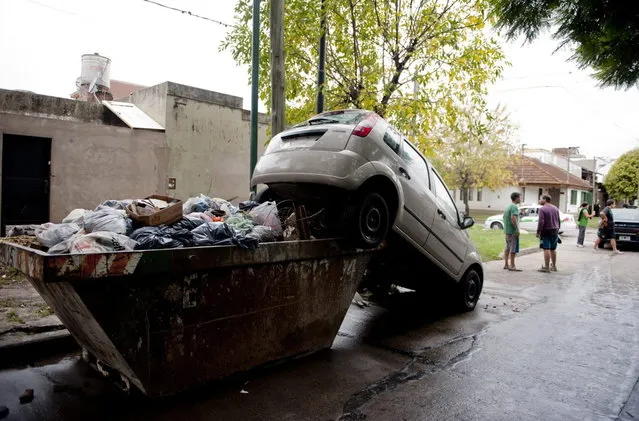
(470, 195)
(479, 194)
(461, 194)
(573, 197)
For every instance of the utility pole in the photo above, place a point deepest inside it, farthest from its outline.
(570, 149)
(255, 72)
(594, 181)
(321, 74)
(278, 120)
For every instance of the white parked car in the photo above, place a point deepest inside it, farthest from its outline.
(528, 218)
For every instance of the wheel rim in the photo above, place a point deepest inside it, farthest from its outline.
(472, 288)
(495, 226)
(372, 221)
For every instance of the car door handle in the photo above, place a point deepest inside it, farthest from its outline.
(441, 213)
(404, 173)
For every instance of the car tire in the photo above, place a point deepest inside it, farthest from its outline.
(265, 195)
(496, 226)
(369, 219)
(468, 290)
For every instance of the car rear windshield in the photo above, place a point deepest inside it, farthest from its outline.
(626, 214)
(352, 117)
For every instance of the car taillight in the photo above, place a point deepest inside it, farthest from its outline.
(365, 126)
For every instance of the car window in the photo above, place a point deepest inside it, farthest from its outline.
(392, 139)
(444, 199)
(416, 163)
(336, 117)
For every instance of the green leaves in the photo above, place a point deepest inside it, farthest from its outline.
(622, 181)
(605, 34)
(406, 60)
(474, 150)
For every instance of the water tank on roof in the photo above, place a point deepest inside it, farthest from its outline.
(95, 68)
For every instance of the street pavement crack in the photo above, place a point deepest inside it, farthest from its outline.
(421, 364)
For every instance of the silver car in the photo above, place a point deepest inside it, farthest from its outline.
(379, 183)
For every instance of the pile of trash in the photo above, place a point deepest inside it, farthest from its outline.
(125, 225)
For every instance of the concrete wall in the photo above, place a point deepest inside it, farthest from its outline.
(207, 134)
(90, 161)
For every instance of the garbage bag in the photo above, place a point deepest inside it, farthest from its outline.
(266, 214)
(224, 205)
(248, 205)
(95, 242)
(240, 222)
(262, 234)
(114, 204)
(51, 234)
(213, 234)
(200, 203)
(199, 215)
(111, 220)
(186, 224)
(20, 230)
(245, 241)
(76, 216)
(149, 238)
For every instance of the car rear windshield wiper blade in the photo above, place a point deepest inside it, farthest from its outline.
(322, 120)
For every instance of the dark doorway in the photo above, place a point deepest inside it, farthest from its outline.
(26, 163)
(555, 194)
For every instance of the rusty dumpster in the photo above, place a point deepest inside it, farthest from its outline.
(167, 320)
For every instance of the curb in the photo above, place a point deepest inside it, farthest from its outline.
(25, 350)
(523, 252)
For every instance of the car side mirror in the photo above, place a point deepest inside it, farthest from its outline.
(467, 222)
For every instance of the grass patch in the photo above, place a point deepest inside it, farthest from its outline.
(44, 310)
(13, 317)
(490, 243)
(480, 216)
(8, 302)
(9, 274)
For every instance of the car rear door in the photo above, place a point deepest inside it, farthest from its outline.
(419, 202)
(447, 242)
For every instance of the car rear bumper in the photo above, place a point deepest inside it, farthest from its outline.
(331, 168)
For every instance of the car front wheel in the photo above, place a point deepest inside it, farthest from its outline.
(370, 219)
(496, 226)
(468, 290)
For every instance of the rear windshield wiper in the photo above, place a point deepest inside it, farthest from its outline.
(322, 120)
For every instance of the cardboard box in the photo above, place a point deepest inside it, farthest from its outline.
(168, 215)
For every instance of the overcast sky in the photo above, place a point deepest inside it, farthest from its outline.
(41, 42)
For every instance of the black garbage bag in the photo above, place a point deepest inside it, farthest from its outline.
(183, 235)
(150, 238)
(245, 241)
(186, 224)
(248, 205)
(221, 234)
(213, 234)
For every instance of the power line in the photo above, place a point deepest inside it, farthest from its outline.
(186, 12)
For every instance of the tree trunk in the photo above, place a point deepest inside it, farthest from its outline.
(465, 197)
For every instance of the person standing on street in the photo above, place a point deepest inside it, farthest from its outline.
(548, 233)
(607, 227)
(582, 223)
(511, 230)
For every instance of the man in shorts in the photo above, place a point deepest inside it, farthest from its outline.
(548, 233)
(511, 229)
(606, 230)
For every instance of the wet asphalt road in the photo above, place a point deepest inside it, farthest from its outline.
(561, 346)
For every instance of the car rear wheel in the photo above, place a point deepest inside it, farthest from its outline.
(370, 219)
(496, 226)
(468, 290)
